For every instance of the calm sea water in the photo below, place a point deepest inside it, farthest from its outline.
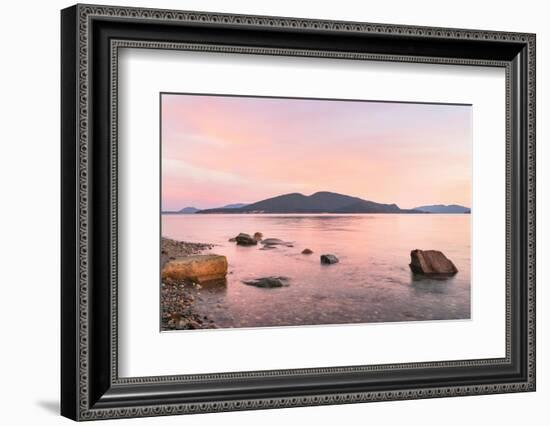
(371, 283)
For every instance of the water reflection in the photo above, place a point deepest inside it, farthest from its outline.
(439, 285)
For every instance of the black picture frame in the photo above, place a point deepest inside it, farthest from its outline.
(90, 386)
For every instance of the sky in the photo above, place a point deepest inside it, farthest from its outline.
(218, 150)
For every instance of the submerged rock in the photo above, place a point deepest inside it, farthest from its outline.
(258, 236)
(268, 282)
(245, 240)
(197, 268)
(328, 259)
(307, 251)
(276, 242)
(431, 262)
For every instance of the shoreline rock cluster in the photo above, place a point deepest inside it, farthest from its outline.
(182, 273)
(177, 300)
(244, 239)
(185, 267)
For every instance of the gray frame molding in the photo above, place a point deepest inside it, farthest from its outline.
(85, 14)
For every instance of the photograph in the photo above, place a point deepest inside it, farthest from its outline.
(279, 211)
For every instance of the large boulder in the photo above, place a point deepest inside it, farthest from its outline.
(431, 262)
(245, 240)
(268, 282)
(328, 259)
(198, 268)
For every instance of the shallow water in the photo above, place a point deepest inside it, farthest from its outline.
(371, 283)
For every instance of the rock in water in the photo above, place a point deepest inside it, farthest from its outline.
(328, 259)
(245, 240)
(198, 268)
(431, 262)
(268, 282)
(258, 236)
(276, 242)
(307, 251)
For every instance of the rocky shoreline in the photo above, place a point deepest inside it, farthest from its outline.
(177, 297)
(185, 267)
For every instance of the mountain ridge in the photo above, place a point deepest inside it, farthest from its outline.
(318, 202)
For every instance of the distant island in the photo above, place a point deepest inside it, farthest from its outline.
(192, 210)
(320, 202)
(188, 210)
(442, 208)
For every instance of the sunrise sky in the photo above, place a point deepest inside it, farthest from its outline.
(218, 150)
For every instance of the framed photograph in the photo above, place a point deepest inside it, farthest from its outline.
(263, 212)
